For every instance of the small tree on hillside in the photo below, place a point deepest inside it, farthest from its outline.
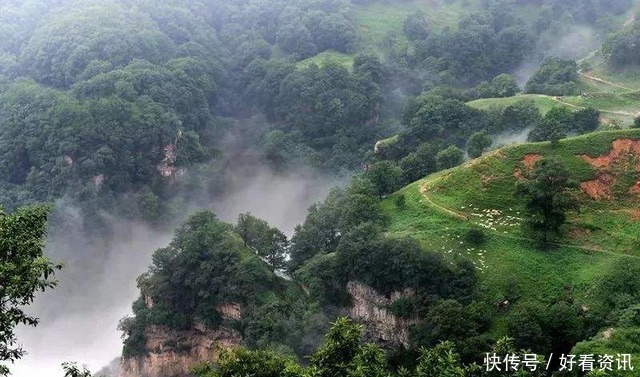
(550, 130)
(477, 143)
(246, 227)
(450, 157)
(547, 199)
(269, 243)
(586, 120)
(415, 26)
(386, 177)
(273, 248)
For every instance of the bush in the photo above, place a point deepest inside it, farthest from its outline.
(449, 158)
(475, 237)
(400, 201)
(555, 77)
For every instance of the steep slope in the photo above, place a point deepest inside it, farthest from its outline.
(203, 294)
(441, 208)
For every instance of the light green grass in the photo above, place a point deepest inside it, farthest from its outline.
(544, 103)
(606, 230)
(619, 106)
(326, 57)
(376, 21)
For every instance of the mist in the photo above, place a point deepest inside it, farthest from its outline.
(98, 283)
(575, 43)
(510, 137)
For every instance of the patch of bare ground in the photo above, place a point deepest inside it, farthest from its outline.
(530, 160)
(599, 188)
(624, 155)
(621, 148)
(579, 233)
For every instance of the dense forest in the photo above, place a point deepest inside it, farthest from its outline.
(104, 99)
(138, 109)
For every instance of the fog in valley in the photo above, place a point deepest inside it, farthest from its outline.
(132, 115)
(98, 282)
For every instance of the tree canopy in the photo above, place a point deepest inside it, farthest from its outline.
(24, 270)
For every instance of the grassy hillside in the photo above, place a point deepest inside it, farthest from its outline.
(375, 21)
(544, 103)
(325, 57)
(620, 106)
(441, 208)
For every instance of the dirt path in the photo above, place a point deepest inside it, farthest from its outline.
(423, 190)
(594, 78)
(560, 101)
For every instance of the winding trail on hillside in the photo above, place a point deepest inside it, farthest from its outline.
(424, 188)
(560, 101)
(456, 214)
(603, 81)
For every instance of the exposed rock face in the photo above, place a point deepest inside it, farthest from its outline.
(172, 353)
(381, 326)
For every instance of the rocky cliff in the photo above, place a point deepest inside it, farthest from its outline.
(172, 353)
(371, 308)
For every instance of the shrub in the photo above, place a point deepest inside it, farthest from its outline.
(475, 237)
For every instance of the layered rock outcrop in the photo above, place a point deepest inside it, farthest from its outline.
(372, 309)
(172, 353)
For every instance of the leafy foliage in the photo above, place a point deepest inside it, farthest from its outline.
(555, 77)
(73, 370)
(619, 47)
(269, 243)
(23, 271)
(477, 143)
(547, 198)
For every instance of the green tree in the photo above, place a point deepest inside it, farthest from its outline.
(450, 157)
(249, 228)
(586, 120)
(24, 270)
(477, 143)
(343, 354)
(619, 48)
(418, 164)
(268, 242)
(526, 324)
(244, 362)
(367, 64)
(555, 77)
(503, 85)
(442, 360)
(273, 247)
(546, 191)
(72, 369)
(385, 175)
(550, 130)
(521, 115)
(415, 26)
